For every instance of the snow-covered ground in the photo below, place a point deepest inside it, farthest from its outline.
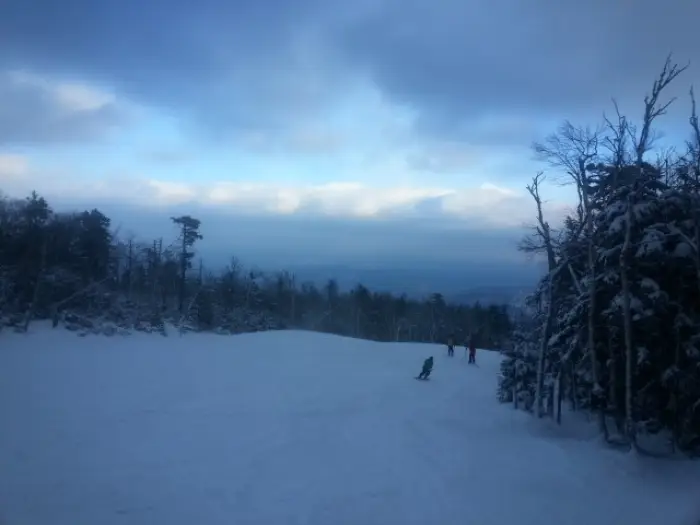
(292, 428)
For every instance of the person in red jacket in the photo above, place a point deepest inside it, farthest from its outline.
(472, 350)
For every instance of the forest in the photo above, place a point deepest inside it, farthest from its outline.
(74, 269)
(613, 328)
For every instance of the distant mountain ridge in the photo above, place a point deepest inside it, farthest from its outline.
(490, 295)
(458, 284)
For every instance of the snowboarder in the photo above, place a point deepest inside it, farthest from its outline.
(472, 350)
(450, 346)
(427, 368)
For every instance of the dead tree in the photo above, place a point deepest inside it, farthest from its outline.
(643, 142)
(573, 149)
(694, 154)
(544, 233)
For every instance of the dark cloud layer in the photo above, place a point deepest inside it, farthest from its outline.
(227, 62)
(256, 64)
(512, 57)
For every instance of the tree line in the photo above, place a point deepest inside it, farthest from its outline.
(72, 268)
(613, 328)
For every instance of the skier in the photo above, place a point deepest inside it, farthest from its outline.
(427, 368)
(472, 351)
(450, 346)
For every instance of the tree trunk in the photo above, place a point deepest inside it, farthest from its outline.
(130, 270)
(545, 234)
(293, 301)
(37, 285)
(613, 367)
(627, 313)
(186, 313)
(572, 390)
(551, 397)
(675, 395)
(183, 272)
(696, 224)
(592, 305)
(155, 273)
(546, 334)
(560, 393)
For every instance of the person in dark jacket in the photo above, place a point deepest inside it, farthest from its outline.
(472, 351)
(451, 346)
(427, 368)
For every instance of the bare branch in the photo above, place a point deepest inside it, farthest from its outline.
(616, 141)
(543, 229)
(694, 117)
(531, 243)
(570, 148)
(653, 109)
(694, 144)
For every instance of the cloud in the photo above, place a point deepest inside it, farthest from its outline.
(13, 167)
(242, 66)
(461, 61)
(487, 205)
(400, 126)
(234, 65)
(308, 138)
(444, 157)
(167, 156)
(37, 109)
(425, 237)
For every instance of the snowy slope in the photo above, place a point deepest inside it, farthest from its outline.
(294, 428)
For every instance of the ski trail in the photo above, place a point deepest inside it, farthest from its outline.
(294, 428)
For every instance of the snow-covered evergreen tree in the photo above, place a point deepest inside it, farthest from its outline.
(625, 341)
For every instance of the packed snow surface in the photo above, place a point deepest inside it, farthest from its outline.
(295, 428)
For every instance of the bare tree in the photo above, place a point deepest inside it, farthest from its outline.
(573, 150)
(642, 142)
(694, 154)
(545, 235)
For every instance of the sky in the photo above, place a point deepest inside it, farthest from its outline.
(377, 134)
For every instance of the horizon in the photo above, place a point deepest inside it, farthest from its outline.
(368, 136)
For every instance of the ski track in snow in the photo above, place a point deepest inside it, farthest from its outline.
(295, 428)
